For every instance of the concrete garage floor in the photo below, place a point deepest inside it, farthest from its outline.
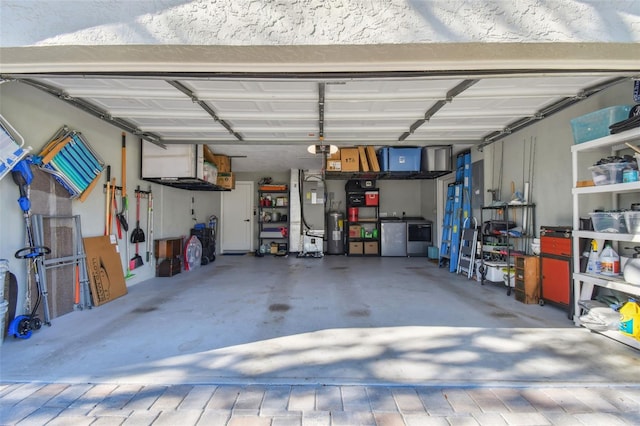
(336, 321)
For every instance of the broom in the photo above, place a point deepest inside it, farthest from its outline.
(137, 236)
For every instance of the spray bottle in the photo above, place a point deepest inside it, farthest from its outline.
(593, 266)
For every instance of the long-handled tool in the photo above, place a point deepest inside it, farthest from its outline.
(149, 223)
(112, 203)
(107, 209)
(137, 236)
(125, 206)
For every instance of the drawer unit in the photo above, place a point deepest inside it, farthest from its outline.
(527, 279)
(555, 266)
(556, 246)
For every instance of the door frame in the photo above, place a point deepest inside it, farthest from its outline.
(252, 207)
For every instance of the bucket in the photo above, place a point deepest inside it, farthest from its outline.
(4, 307)
(353, 214)
(630, 319)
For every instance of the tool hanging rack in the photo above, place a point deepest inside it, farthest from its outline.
(10, 151)
(72, 162)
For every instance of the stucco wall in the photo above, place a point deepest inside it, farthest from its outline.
(318, 22)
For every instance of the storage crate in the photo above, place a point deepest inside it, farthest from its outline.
(607, 174)
(405, 159)
(356, 247)
(632, 222)
(596, 124)
(355, 231)
(371, 247)
(608, 222)
(495, 271)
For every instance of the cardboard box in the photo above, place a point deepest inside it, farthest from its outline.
(350, 159)
(222, 162)
(364, 164)
(355, 247)
(207, 154)
(106, 277)
(226, 180)
(334, 156)
(354, 231)
(371, 247)
(334, 165)
(373, 159)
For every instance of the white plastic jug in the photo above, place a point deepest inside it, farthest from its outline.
(609, 261)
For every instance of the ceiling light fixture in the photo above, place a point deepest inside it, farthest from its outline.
(322, 149)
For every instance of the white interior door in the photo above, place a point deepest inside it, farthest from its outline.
(237, 219)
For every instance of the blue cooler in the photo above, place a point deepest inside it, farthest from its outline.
(404, 159)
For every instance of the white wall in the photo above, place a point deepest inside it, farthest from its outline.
(37, 116)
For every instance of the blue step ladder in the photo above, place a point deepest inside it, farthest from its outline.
(457, 210)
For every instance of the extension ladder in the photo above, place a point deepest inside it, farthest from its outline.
(457, 209)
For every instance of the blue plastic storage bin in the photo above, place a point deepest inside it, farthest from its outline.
(404, 159)
(596, 124)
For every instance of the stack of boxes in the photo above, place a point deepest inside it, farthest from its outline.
(356, 159)
(224, 177)
(435, 158)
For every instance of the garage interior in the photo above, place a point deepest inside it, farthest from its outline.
(308, 310)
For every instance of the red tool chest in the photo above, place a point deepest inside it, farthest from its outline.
(556, 266)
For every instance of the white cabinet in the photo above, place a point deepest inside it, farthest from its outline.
(584, 284)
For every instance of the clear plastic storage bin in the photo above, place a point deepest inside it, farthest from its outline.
(607, 174)
(632, 221)
(609, 222)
